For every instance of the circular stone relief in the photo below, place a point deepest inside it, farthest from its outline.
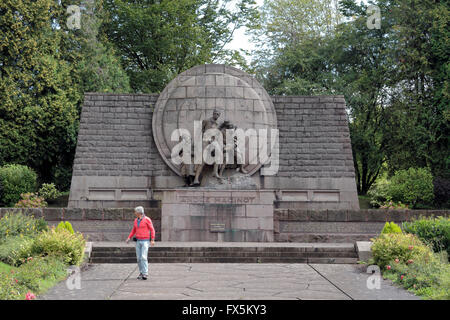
(195, 93)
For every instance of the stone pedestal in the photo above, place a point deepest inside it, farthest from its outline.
(217, 215)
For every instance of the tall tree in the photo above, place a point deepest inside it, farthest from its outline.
(38, 97)
(159, 39)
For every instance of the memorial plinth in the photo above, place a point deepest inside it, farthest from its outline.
(217, 215)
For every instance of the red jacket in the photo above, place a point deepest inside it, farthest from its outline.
(144, 231)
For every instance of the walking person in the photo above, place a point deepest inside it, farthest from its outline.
(144, 231)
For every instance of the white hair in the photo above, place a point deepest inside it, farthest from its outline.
(139, 209)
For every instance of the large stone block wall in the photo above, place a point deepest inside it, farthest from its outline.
(289, 225)
(299, 225)
(96, 224)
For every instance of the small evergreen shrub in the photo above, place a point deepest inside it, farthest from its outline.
(12, 250)
(391, 227)
(49, 192)
(16, 179)
(65, 226)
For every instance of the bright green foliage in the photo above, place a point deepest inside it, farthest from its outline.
(412, 186)
(17, 224)
(31, 200)
(157, 40)
(391, 246)
(434, 231)
(67, 226)
(62, 243)
(391, 227)
(16, 179)
(49, 192)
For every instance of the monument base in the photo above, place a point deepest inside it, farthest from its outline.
(217, 215)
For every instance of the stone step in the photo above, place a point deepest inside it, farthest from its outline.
(118, 250)
(227, 260)
(126, 254)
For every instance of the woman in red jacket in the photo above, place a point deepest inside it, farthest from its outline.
(144, 231)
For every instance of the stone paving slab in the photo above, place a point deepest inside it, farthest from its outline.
(233, 281)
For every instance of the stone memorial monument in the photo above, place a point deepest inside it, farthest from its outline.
(216, 152)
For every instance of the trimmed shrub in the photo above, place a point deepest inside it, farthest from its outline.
(404, 247)
(433, 231)
(49, 192)
(70, 247)
(31, 200)
(16, 179)
(65, 226)
(391, 228)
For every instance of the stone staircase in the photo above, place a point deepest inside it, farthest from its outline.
(212, 252)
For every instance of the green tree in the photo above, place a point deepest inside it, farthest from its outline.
(38, 95)
(159, 39)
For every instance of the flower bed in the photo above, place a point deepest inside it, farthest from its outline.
(408, 261)
(34, 258)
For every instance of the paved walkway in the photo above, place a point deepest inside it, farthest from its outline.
(230, 281)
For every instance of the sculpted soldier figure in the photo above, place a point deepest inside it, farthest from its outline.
(206, 124)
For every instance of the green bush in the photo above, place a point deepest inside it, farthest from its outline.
(433, 231)
(404, 247)
(31, 200)
(65, 226)
(62, 243)
(49, 192)
(391, 228)
(413, 187)
(17, 223)
(16, 179)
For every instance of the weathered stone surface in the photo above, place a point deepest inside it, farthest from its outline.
(53, 214)
(73, 214)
